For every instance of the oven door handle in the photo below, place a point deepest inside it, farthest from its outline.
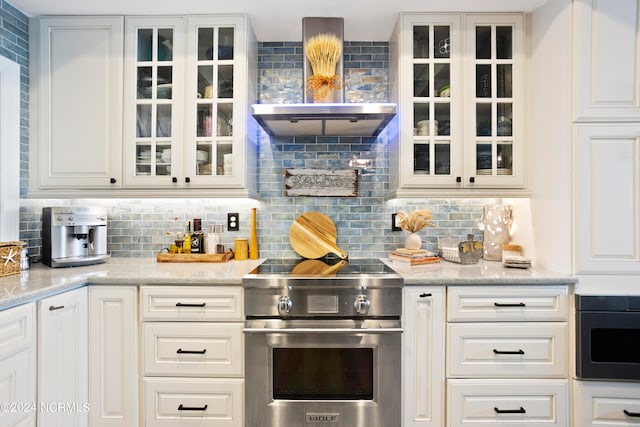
(322, 330)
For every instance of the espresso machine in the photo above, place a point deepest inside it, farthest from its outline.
(73, 236)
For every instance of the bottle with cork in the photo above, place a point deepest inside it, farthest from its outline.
(186, 243)
(197, 237)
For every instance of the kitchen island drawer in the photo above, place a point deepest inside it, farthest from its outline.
(193, 349)
(210, 402)
(518, 349)
(527, 402)
(191, 303)
(607, 403)
(501, 303)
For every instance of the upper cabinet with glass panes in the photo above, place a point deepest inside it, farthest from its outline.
(459, 94)
(186, 114)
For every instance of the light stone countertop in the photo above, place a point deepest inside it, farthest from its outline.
(41, 281)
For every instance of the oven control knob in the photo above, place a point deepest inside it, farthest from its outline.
(361, 304)
(284, 304)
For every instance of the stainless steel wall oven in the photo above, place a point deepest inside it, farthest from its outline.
(608, 337)
(323, 350)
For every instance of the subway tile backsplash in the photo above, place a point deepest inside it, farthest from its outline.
(141, 228)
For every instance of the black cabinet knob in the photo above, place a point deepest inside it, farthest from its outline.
(174, 179)
(187, 179)
(113, 180)
(458, 179)
(472, 179)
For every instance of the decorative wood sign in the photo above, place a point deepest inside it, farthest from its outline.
(321, 182)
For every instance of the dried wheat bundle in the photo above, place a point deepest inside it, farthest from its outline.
(323, 51)
(414, 221)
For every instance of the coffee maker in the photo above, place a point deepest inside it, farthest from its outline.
(73, 236)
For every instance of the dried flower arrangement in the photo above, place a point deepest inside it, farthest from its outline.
(414, 221)
(324, 52)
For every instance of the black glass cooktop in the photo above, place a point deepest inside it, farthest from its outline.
(320, 267)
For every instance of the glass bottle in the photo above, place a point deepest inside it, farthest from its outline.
(186, 244)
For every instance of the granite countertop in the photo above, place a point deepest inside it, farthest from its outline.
(41, 281)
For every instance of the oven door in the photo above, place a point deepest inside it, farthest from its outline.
(607, 345)
(303, 373)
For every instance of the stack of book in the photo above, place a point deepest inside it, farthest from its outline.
(414, 256)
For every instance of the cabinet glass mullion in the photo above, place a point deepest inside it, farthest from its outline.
(214, 99)
(154, 104)
(431, 99)
(494, 99)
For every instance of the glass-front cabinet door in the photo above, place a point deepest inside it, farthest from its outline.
(218, 131)
(430, 123)
(494, 152)
(153, 101)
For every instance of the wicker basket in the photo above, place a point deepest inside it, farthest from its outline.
(10, 257)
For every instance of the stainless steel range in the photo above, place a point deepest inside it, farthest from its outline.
(323, 344)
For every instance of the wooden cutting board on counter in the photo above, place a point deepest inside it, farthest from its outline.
(313, 235)
(166, 257)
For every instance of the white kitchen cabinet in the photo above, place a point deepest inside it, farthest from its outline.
(423, 349)
(606, 197)
(507, 355)
(599, 403)
(113, 365)
(76, 103)
(459, 83)
(63, 373)
(187, 95)
(512, 402)
(606, 50)
(18, 366)
(192, 355)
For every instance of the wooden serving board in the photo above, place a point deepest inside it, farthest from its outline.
(313, 235)
(165, 257)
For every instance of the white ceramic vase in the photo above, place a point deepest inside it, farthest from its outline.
(412, 241)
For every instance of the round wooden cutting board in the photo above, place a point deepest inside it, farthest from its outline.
(313, 235)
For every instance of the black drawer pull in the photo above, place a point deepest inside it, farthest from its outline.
(508, 352)
(192, 408)
(510, 411)
(180, 304)
(631, 414)
(519, 304)
(181, 351)
(56, 307)
(425, 295)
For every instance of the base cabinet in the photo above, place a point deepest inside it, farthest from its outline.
(18, 366)
(113, 366)
(599, 403)
(423, 357)
(63, 360)
(192, 356)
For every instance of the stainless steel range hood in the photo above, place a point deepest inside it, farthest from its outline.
(323, 119)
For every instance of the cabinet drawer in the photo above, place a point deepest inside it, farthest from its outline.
(487, 403)
(511, 303)
(193, 349)
(193, 402)
(191, 303)
(17, 328)
(606, 404)
(529, 350)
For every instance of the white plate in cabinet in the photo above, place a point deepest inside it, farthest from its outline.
(191, 303)
(194, 402)
(607, 404)
(488, 403)
(526, 350)
(514, 304)
(193, 349)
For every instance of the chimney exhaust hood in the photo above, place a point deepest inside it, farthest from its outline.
(366, 119)
(323, 119)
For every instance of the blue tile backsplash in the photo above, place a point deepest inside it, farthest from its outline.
(140, 228)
